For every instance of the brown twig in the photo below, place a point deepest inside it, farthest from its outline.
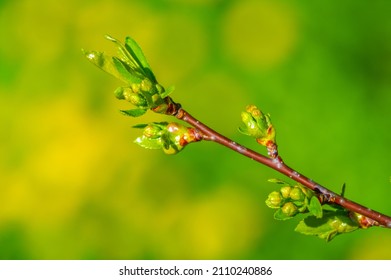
(370, 217)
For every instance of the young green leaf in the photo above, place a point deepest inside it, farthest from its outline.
(329, 226)
(131, 67)
(135, 51)
(105, 63)
(133, 112)
(315, 208)
(124, 54)
(131, 77)
(140, 125)
(167, 92)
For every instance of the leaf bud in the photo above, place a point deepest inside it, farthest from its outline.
(173, 141)
(251, 127)
(258, 125)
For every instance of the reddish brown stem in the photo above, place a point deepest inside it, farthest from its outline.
(276, 163)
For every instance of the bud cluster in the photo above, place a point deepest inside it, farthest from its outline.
(291, 200)
(131, 67)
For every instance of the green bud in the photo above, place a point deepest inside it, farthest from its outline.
(128, 94)
(119, 93)
(138, 100)
(135, 88)
(274, 200)
(289, 209)
(285, 191)
(146, 85)
(258, 125)
(251, 127)
(178, 137)
(297, 194)
(152, 131)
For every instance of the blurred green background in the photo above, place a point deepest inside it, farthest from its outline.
(74, 186)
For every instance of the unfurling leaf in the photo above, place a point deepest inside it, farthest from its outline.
(329, 226)
(105, 63)
(134, 49)
(128, 75)
(131, 67)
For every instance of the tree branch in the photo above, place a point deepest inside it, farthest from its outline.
(143, 91)
(370, 217)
